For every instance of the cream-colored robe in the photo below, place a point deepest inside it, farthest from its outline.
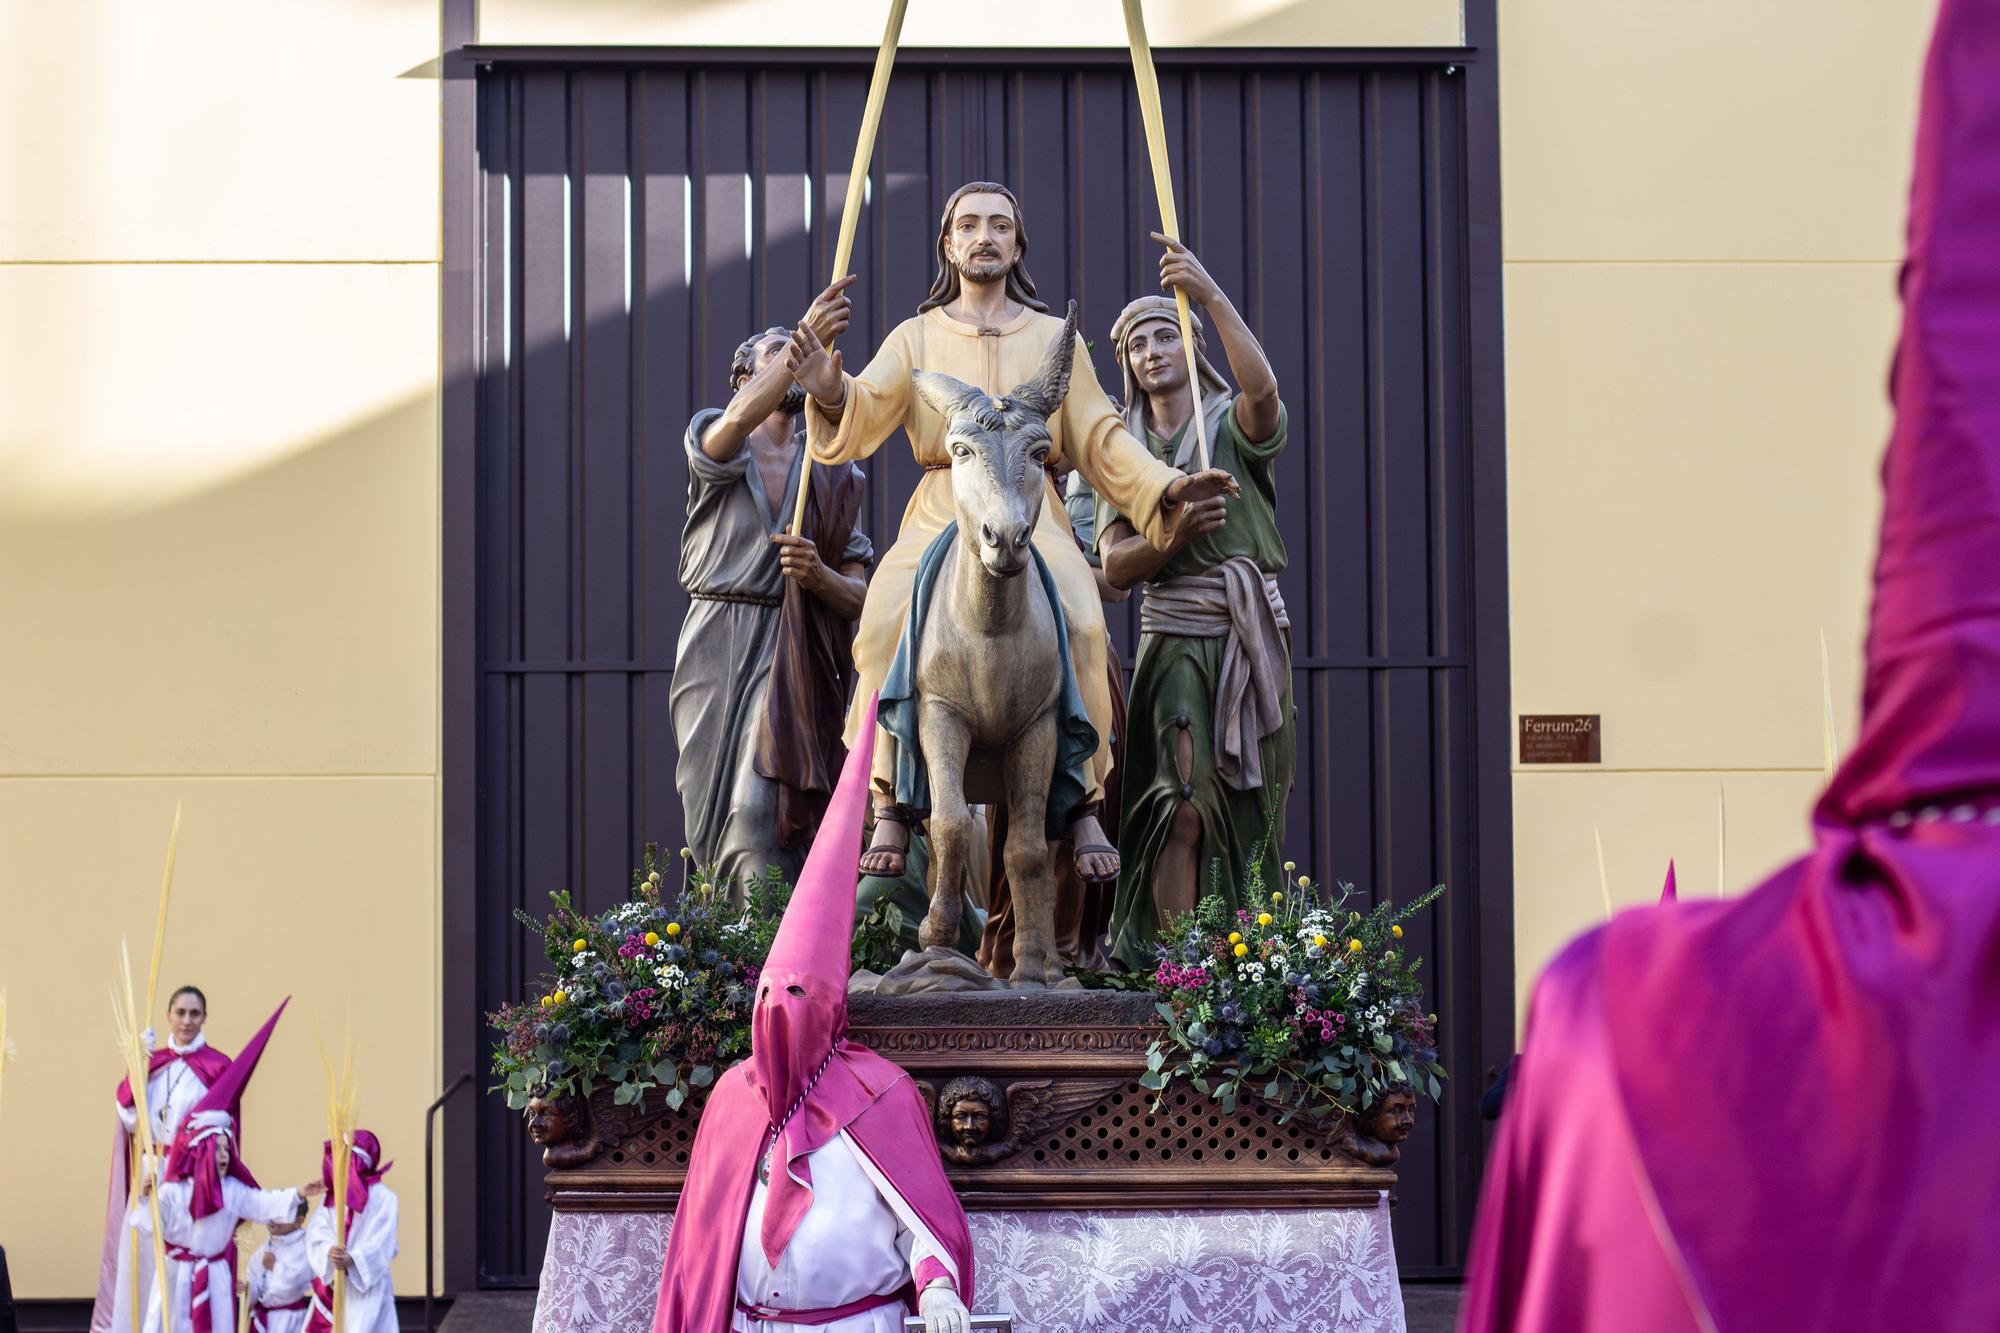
(1085, 430)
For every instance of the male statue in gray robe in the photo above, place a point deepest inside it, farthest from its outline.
(761, 671)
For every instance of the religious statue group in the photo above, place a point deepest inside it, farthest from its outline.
(1013, 772)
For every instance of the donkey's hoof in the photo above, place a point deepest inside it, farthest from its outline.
(936, 971)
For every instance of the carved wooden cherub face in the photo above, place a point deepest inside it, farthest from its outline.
(547, 1121)
(969, 1111)
(1395, 1117)
(971, 1122)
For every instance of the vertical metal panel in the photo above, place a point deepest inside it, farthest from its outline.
(1331, 204)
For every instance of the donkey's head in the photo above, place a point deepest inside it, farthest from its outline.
(998, 447)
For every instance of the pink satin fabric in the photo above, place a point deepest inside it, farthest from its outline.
(1796, 1089)
(799, 1051)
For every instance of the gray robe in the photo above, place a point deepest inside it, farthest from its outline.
(722, 666)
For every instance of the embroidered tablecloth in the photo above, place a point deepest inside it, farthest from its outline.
(1330, 1270)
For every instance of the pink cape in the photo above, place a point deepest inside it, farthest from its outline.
(801, 1063)
(208, 1064)
(1776, 1112)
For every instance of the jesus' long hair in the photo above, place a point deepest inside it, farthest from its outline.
(1020, 286)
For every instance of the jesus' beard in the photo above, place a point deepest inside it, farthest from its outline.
(980, 268)
(794, 401)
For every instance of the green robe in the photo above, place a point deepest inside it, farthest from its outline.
(1176, 679)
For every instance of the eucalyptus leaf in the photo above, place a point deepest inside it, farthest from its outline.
(676, 1098)
(702, 1076)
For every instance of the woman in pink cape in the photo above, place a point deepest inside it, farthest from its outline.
(1777, 1112)
(815, 1198)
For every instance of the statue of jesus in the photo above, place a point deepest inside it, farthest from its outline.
(982, 324)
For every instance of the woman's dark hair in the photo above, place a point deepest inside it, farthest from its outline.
(1020, 287)
(188, 990)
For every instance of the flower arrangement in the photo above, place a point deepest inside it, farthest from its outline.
(647, 994)
(1301, 999)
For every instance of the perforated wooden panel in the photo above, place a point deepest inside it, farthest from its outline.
(1187, 1130)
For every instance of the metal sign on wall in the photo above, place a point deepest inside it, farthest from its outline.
(1562, 738)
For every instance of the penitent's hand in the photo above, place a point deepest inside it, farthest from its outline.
(816, 369)
(943, 1312)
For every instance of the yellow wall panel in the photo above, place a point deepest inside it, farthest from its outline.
(1692, 457)
(316, 888)
(218, 519)
(229, 129)
(1711, 130)
(1024, 23)
(1645, 819)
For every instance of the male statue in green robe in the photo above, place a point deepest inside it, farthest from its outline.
(1210, 743)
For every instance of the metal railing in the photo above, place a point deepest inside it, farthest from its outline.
(430, 1189)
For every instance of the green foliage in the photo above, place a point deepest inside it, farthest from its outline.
(650, 993)
(1298, 998)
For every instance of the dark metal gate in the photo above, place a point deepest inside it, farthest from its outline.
(643, 213)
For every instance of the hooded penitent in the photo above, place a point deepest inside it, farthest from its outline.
(1776, 1112)
(804, 1083)
(207, 1064)
(216, 1119)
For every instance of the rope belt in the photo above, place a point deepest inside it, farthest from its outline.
(740, 598)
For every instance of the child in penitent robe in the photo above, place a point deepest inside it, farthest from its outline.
(364, 1259)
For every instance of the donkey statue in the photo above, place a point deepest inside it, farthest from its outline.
(988, 674)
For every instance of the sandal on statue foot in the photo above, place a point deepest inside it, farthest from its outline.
(1095, 849)
(889, 814)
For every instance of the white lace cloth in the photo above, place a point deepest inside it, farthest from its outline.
(1324, 1270)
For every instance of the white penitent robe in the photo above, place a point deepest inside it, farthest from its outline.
(859, 1239)
(211, 1238)
(371, 1242)
(287, 1282)
(170, 1095)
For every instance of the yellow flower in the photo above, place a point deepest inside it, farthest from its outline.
(1235, 938)
(1397, 931)
(1354, 946)
(1319, 941)
(673, 927)
(558, 997)
(1263, 918)
(652, 938)
(579, 946)
(1290, 866)
(687, 853)
(1305, 881)
(653, 878)
(1242, 949)
(1277, 897)
(545, 1002)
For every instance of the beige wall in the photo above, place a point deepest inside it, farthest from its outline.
(218, 567)
(1023, 23)
(1703, 214)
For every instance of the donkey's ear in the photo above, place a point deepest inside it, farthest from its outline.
(1044, 393)
(945, 395)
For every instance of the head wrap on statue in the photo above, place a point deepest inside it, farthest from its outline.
(1775, 1112)
(1216, 395)
(803, 1085)
(215, 1120)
